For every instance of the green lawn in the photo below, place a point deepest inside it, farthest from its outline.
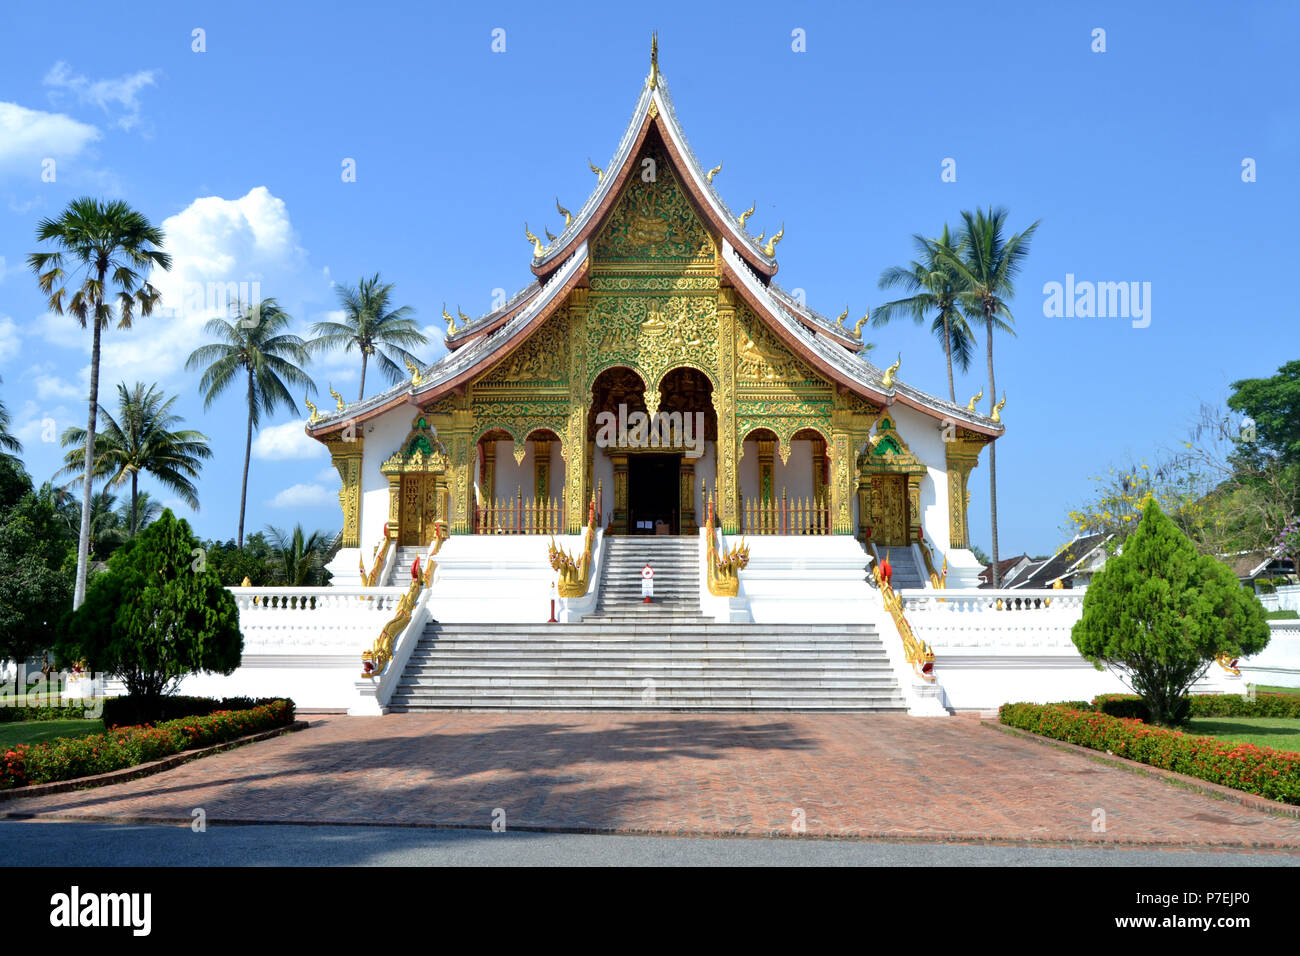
(1280, 733)
(1269, 689)
(1281, 615)
(43, 731)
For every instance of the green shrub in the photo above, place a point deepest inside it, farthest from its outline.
(70, 758)
(1160, 613)
(1204, 705)
(1274, 774)
(72, 710)
(124, 711)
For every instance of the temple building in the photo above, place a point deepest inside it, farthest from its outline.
(653, 479)
(655, 313)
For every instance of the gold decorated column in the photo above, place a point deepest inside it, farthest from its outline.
(724, 402)
(461, 447)
(961, 455)
(843, 465)
(347, 458)
(574, 447)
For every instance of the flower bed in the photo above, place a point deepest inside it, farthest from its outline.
(1274, 774)
(127, 746)
(1206, 705)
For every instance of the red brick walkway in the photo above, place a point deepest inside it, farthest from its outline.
(855, 776)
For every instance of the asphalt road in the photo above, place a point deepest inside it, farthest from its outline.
(102, 844)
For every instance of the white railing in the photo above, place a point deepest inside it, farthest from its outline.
(284, 620)
(991, 619)
(265, 600)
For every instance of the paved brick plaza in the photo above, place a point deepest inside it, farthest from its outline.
(856, 776)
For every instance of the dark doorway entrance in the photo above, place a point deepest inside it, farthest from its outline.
(652, 493)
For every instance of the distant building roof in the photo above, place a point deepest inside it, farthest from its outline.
(1006, 569)
(1248, 565)
(1081, 554)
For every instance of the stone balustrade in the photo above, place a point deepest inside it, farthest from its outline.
(1005, 619)
(296, 621)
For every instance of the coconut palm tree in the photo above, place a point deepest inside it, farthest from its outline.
(374, 328)
(255, 347)
(99, 244)
(107, 530)
(935, 286)
(300, 556)
(988, 265)
(9, 445)
(139, 440)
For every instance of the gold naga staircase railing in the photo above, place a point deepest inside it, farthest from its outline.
(380, 557)
(916, 651)
(938, 581)
(725, 568)
(380, 654)
(575, 572)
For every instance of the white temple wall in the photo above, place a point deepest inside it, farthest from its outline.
(383, 437)
(797, 476)
(924, 436)
(509, 478)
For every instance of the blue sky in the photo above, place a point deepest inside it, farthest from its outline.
(1132, 158)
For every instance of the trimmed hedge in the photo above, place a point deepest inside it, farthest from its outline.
(1205, 705)
(72, 710)
(1274, 774)
(73, 757)
(127, 711)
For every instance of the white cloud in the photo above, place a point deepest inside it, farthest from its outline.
(10, 338)
(287, 442)
(35, 423)
(51, 386)
(2, 269)
(328, 475)
(304, 496)
(213, 243)
(29, 136)
(121, 92)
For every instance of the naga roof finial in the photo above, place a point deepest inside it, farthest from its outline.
(857, 329)
(315, 415)
(550, 236)
(843, 315)
(537, 243)
(600, 173)
(888, 379)
(713, 172)
(654, 59)
(970, 406)
(769, 250)
(746, 214)
(416, 376)
(338, 399)
(997, 409)
(451, 323)
(568, 216)
(463, 317)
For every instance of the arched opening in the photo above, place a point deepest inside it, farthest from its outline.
(784, 489)
(519, 486)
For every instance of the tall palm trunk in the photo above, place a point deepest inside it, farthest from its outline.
(362, 393)
(993, 455)
(83, 536)
(135, 502)
(947, 351)
(248, 453)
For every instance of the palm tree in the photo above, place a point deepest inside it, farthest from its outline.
(254, 344)
(372, 327)
(142, 441)
(299, 555)
(988, 267)
(9, 445)
(107, 530)
(935, 286)
(98, 243)
(139, 516)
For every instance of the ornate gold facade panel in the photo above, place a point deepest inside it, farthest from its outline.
(542, 359)
(643, 282)
(347, 458)
(651, 334)
(420, 451)
(653, 222)
(762, 358)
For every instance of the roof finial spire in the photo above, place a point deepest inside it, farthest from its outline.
(654, 59)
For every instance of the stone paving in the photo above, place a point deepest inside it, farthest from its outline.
(875, 776)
